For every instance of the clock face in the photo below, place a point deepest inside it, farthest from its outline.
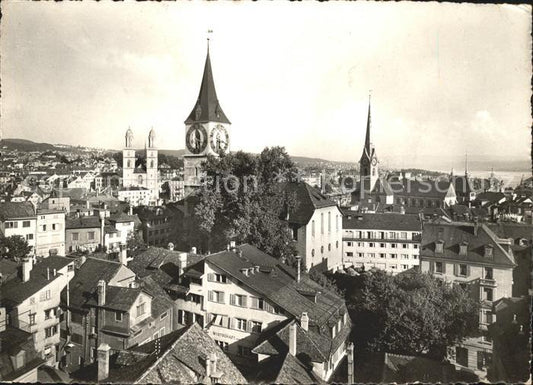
(374, 162)
(219, 139)
(196, 139)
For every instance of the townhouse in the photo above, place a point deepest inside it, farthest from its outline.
(388, 241)
(50, 233)
(32, 302)
(18, 218)
(472, 256)
(82, 233)
(316, 226)
(106, 304)
(241, 294)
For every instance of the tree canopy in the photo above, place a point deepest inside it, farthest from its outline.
(243, 200)
(409, 314)
(14, 247)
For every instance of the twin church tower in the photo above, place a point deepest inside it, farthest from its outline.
(207, 132)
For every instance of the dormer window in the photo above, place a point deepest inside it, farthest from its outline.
(463, 248)
(439, 246)
(488, 251)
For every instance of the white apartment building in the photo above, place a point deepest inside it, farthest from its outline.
(50, 234)
(32, 302)
(135, 196)
(387, 241)
(472, 256)
(316, 225)
(18, 218)
(243, 297)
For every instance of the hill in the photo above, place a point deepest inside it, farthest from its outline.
(27, 145)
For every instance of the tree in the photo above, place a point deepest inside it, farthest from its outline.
(411, 314)
(242, 200)
(14, 247)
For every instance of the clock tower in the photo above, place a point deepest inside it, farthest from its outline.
(368, 165)
(206, 130)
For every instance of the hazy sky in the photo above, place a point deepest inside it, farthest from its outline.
(446, 78)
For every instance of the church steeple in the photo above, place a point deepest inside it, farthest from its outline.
(368, 124)
(207, 107)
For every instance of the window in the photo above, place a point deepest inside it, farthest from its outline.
(12, 225)
(394, 267)
(463, 270)
(321, 249)
(372, 255)
(313, 227)
(392, 235)
(223, 345)
(55, 226)
(90, 235)
(50, 331)
(349, 244)
(216, 296)
(393, 245)
(240, 324)
(32, 319)
(49, 314)
(381, 235)
(337, 244)
(382, 255)
(44, 227)
(321, 223)
(256, 326)
(257, 303)
(488, 294)
(163, 316)
(488, 273)
(415, 246)
(313, 253)
(360, 255)
(29, 237)
(371, 244)
(45, 295)
(439, 267)
(403, 235)
(238, 300)
(76, 338)
(404, 245)
(140, 309)
(329, 222)
(25, 223)
(221, 278)
(415, 256)
(488, 317)
(382, 245)
(349, 254)
(405, 267)
(75, 236)
(118, 316)
(70, 267)
(394, 256)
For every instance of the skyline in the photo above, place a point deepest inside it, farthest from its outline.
(298, 86)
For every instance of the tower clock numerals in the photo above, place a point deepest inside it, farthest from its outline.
(219, 139)
(196, 139)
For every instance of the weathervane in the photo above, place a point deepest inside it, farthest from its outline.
(209, 31)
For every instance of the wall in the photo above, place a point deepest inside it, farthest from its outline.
(50, 233)
(322, 240)
(83, 241)
(28, 233)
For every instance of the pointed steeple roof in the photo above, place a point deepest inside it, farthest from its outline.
(207, 107)
(367, 150)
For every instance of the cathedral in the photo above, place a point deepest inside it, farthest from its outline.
(206, 130)
(141, 175)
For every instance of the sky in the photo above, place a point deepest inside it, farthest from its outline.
(446, 79)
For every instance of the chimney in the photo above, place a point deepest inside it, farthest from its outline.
(123, 255)
(27, 265)
(130, 210)
(292, 339)
(182, 262)
(298, 267)
(55, 272)
(304, 321)
(103, 361)
(3, 319)
(102, 232)
(48, 274)
(351, 378)
(170, 246)
(402, 209)
(213, 361)
(193, 250)
(101, 292)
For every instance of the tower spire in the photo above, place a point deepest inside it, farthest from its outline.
(368, 124)
(466, 163)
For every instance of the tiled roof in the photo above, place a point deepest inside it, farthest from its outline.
(119, 298)
(512, 230)
(84, 284)
(276, 283)
(308, 199)
(161, 301)
(13, 340)
(15, 291)
(83, 222)
(284, 369)
(455, 233)
(207, 108)
(386, 221)
(490, 197)
(14, 210)
(174, 358)
(123, 217)
(419, 189)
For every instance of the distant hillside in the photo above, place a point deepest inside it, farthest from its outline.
(178, 153)
(27, 145)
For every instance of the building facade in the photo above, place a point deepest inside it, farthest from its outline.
(472, 256)
(19, 218)
(50, 234)
(388, 241)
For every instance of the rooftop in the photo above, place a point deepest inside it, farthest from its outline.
(385, 221)
(308, 199)
(16, 210)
